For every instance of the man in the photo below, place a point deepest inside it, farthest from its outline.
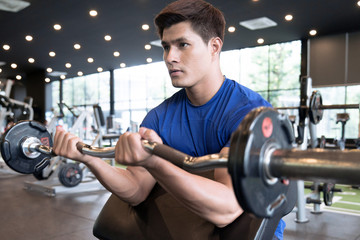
(197, 120)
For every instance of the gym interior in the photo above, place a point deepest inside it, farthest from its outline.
(96, 69)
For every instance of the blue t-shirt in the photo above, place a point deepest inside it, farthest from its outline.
(206, 129)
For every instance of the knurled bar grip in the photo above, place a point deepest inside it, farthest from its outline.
(316, 164)
(174, 156)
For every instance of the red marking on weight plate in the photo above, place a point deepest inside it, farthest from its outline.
(45, 141)
(267, 127)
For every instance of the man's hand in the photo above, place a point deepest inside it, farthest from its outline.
(65, 145)
(129, 150)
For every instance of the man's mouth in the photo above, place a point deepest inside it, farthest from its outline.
(173, 72)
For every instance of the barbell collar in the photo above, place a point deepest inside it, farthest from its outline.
(337, 166)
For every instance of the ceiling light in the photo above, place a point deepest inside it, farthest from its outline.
(231, 29)
(57, 27)
(149, 60)
(145, 27)
(28, 38)
(289, 17)
(258, 23)
(358, 3)
(13, 5)
(13, 65)
(77, 46)
(93, 13)
(116, 54)
(107, 37)
(260, 41)
(68, 65)
(147, 46)
(122, 65)
(80, 73)
(18, 77)
(0, 70)
(100, 69)
(52, 54)
(49, 70)
(6, 47)
(62, 77)
(31, 60)
(90, 60)
(313, 32)
(47, 80)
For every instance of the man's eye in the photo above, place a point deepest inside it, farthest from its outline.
(184, 44)
(166, 48)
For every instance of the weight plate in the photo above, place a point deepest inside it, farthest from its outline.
(315, 111)
(11, 146)
(261, 131)
(70, 175)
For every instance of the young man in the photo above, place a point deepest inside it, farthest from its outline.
(197, 120)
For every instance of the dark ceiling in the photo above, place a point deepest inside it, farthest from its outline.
(122, 19)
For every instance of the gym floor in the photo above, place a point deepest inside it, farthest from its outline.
(70, 215)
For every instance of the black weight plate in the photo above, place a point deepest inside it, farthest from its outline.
(261, 128)
(315, 111)
(70, 175)
(11, 149)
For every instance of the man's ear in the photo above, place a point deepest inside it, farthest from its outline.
(216, 45)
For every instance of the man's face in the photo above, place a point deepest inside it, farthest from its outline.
(186, 55)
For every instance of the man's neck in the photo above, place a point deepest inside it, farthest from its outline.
(205, 90)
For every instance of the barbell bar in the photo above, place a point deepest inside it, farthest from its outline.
(261, 155)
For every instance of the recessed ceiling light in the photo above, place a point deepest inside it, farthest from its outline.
(18, 77)
(57, 27)
(100, 69)
(145, 27)
(13, 65)
(28, 38)
(6, 47)
(107, 37)
(358, 3)
(122, 65)
(289, 17)
(49, 70)
(77, 46)
(52, 54)
(116, 54)
(0, 71)
(260, 41)
(149, 60)
(68, 65)
(80, 73)
(147, 46)
(90, 60)
(313, 32)
(62, 77)
(47, 80)
(31, 60)
(231, 29)
(93, 13)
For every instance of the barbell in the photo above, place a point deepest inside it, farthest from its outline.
(316, 107)
(261, 156)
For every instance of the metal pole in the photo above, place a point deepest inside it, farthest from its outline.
(338, 166)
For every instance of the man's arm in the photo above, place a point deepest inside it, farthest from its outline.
(213, 200)
(132, 185)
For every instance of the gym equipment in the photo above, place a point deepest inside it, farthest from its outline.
(316, 107)
(70, 175)
(260, 158)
